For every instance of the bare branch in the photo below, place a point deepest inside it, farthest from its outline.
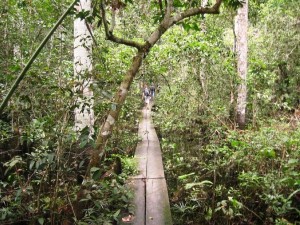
(110, 36)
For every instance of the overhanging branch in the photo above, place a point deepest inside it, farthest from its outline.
(169, 20)
(110, 36)
(215, 9)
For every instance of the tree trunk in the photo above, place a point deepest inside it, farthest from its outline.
(119, 99)
(84, 114)
(120, 96)
(241, 25)
(202, 74)
(143, 49)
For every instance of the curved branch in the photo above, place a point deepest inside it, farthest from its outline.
(110, 36)
(169, 21)
(215, 9)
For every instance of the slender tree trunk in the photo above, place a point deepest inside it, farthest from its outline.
(241, 25)
(202, 74)
(143, 49)
(84, 114)
(120, 96)
(119, 99)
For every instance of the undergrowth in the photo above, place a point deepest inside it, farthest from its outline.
(43, 180)
(234, 177)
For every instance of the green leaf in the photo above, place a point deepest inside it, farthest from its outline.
(208, 215)
(177, 3)
(83, 143)
(182, 177)
(15, 161)
(186, 26)
(233, 3)
(10, 164)
(202, 183)
(94, 169)
(235, 143)
(83, 14)
(31, 164)
(293, 161)
(41, 220)
(50, 157)
(116, 214)
(81, 164)
(95, 172)
(268, 152)
(194, 26)
(113, 106)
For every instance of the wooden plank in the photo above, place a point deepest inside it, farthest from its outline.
(141, 157)
(151, 194)
(138, 186)
(152, 136)
(139, 202)
(157, 203)
(154, 163)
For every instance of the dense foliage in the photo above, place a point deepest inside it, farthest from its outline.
(216, 173)
(43, 160)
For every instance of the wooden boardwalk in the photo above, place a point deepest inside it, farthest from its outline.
(151, 194)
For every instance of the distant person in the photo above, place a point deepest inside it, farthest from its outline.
(146, 96)
(152, 90)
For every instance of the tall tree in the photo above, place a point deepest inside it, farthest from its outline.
(203, 61)
(84, 114)
(241, 27)
(172, 15)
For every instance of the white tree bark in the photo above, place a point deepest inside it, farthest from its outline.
(203, 60)
(84, 114)
(241, 27)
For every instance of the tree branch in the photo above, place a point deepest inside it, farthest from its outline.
(119, 99)
(110, 36)
(169, 20)
(215, 9)
(169, 7)
(91, 33)
(120, 96)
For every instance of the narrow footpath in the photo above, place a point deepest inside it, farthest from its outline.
(151, 194)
